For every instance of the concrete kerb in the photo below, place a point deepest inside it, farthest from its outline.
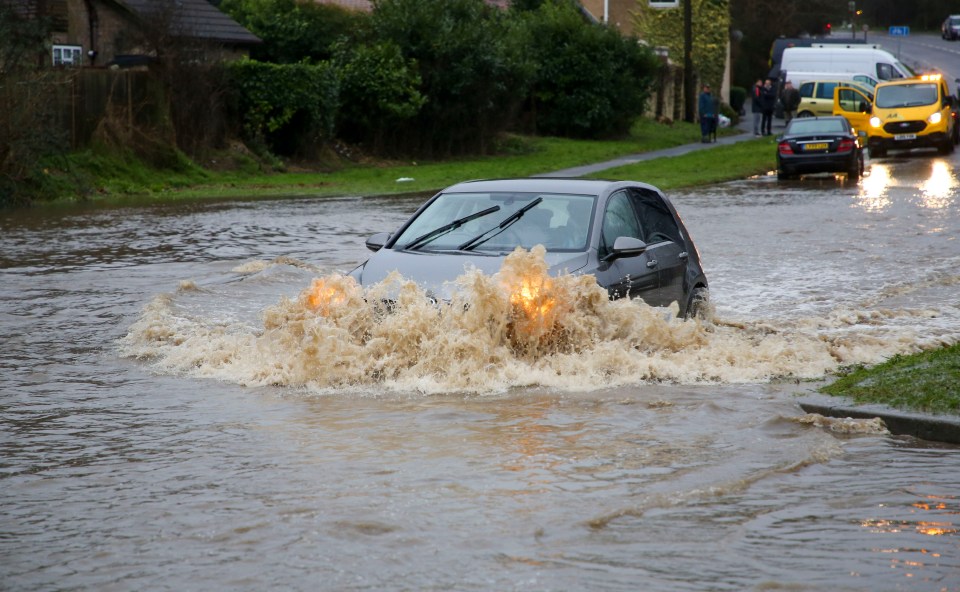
(936, 428)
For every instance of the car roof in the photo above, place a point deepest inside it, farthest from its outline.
(547, 184)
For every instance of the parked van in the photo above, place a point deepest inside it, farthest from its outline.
(780, 44)
(913, 113)
(869, 60)
(816, 96)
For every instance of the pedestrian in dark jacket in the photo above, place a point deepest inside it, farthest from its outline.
(707, 107)
(790, 97)
(768, 101)
(755, 105)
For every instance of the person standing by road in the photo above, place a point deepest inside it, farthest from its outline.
(755, 106)
(707, 107)
(768, 101)
(790, 97)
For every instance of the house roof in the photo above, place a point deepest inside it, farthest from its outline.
(195, 18)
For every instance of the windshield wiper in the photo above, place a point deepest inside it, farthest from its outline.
(425, 238)
(476, 241)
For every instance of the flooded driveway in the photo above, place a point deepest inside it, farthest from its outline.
(176, 414)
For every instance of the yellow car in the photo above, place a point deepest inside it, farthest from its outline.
(914, 112)
(816, 96)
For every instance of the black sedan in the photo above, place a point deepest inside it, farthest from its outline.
(819, 145)
(626, 234)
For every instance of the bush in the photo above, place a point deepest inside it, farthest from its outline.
(288, 109)
(473, 73)
(738, 97)
(590, 80)
(293, 31)
(379, 92)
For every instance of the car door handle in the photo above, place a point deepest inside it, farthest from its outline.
(652, 263)
(683, 255)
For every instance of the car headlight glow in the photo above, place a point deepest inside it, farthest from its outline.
(326, 294)
(534, 296)
(935, 118)
(875, 122)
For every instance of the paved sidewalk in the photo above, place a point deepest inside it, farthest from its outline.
(745, 127)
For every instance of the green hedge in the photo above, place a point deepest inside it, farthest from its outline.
(287, 108)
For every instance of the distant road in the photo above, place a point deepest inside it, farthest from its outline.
(923, 51)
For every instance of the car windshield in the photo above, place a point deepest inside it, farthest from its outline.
(805, 126)
(560, 222)
(906, 95)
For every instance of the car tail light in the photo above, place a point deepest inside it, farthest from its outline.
(784, 148)
(846, 145)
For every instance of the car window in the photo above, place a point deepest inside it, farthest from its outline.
(619, 219)
(851, 100)
(887, 72)
(865, 80)
(816, 126)
(806, 90)
(656, 220)
(825, 90)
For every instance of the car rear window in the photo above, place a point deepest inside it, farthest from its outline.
(816, 126)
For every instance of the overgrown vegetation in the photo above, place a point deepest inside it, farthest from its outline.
(928, 381)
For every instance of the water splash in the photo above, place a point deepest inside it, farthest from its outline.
(517, 328)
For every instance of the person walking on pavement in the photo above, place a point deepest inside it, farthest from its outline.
(707, 107)
(790, 97)
(768, 101)
(755, 106)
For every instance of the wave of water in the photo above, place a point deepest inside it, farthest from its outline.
(565, 334)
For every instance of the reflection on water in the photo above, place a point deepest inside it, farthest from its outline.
(873, 188)
(939, 191)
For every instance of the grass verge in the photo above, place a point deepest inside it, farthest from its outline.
(522, 157)
(927, 381)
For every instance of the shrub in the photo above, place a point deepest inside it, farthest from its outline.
(288, 109)
(591, 81)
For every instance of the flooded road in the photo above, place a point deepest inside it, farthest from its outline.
(174, 416)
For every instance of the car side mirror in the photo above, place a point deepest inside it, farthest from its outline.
(864, 108)
(626, 246)
(376, 242)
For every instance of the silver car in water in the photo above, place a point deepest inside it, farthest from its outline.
(627, 234)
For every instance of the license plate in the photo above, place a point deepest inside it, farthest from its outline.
(817, 146)
(905, 136)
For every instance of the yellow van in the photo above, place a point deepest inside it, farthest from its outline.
(915, 112)
(816, 96)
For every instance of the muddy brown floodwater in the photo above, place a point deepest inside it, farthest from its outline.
(193, 397)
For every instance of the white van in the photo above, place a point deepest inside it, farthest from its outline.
(870, 60)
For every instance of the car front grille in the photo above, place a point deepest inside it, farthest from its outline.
(904, 127)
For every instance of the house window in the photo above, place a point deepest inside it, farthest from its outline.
(67, 55)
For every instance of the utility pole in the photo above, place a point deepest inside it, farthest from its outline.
(689, 92)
